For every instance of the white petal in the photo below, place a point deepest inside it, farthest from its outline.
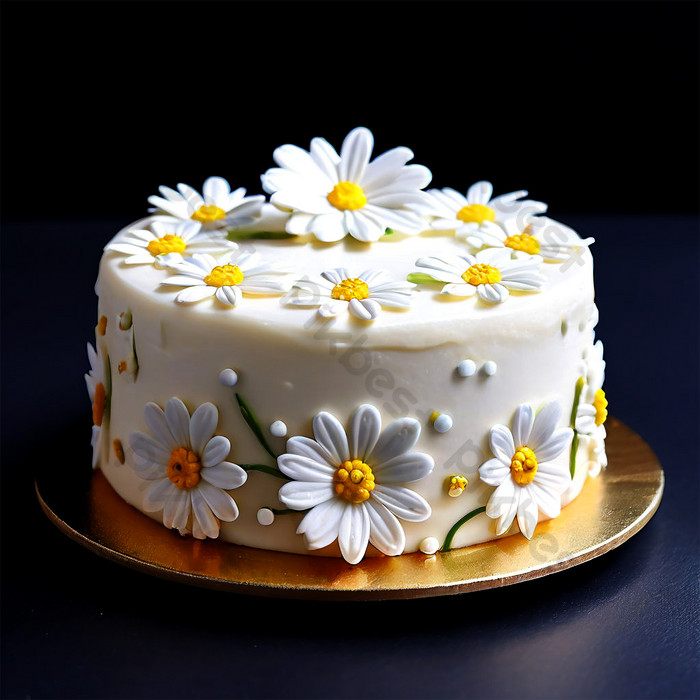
(329, 227)
(177, 509)
(402, 502)
(215, 190)
(193, 294)
(225, 475)
(501, 442)
(522, 425)
(220, 502)
(302, 495)
(543, 427)
(178, 418)
(320, 525)
(459, 290)
(229, 296)
(201, 511)
(148, 449)
(493, 471)
(385, 533)
(306, 469)
(157, 495)
(480, 192)
(306, 447)
(202, 426)
(527, 514)
(365, 428)
(333, 308)
(404, 468)
(398, 437)
(502, 499)
(555, 445)
(155, 420)
(547, 501)
(365, 309)
(355, 154)
(216, 451)
(330, 433)
(353, 533)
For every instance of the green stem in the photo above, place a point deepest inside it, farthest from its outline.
(272, 471)
(254, 425)
(285, 511)
(574, 410)
(450, 535)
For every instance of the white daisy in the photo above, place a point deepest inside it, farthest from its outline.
(185, 464)
(490, 274)
(241, 273)
(350, 483)
(592, 411)
(98, 383)
(540, 235)
(336, 291)
(477, 212)
(527, 481)
(164, 242)
(216, 208)
(331, 195)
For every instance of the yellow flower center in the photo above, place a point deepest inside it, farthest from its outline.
(167, 244)
(523, 466)
(350, 289)
(481, 274)
(98, 404)
(208, 213)
(523, 241)
(224, 276)
(353, 481)
(476, 214)
(600, 403)
(183, 468)
(347, 195)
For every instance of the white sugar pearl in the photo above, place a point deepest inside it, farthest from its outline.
(278, 429)
(490, 367)
(442, 423)
(466, 368)
(228, 377)
(429, 545)
(266, 516)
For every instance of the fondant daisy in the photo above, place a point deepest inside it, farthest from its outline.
(241, 273)
(185, 465)
(490, 274)
(331, 195)
(336, 291)
(352, 483)
(592, 410)
(551, 240)
(477, 211)
(164, 243)
(527, 481)
(216, 208)
(97, 381)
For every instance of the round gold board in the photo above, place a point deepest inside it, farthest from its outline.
(610, 509)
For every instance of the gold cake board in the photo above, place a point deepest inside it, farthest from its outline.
(610, 509)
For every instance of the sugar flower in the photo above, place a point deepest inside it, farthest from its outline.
(331, 195)
(539, 235)
(163, 243)
(216, 208)
(526, 478)
(592, 410)
(185, 465)
(336, 291)
(241, 273)
(98, 382)
(491, 274)
(477, 211)
(352, 483)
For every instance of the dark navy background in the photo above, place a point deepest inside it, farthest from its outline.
(592, 107)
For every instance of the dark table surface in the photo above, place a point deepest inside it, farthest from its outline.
(624, 625)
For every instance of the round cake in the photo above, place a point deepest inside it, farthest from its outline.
(351, 364)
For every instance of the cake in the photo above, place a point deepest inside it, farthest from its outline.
(352, 364)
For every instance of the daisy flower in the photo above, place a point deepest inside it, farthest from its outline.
(592, 411)
(527, 481)
(241, 273)
(477, 211)
(164, 242)
(216, 208)
(351, 483)
(490, 274)
(331, 195)
(98, 383)
(184, 463)
(551, 240)
(336, 291)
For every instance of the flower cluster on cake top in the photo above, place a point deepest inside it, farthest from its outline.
(327, 195)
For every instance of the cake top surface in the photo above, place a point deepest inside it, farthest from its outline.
(352, 239)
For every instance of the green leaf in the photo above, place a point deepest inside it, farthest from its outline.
(574, 410)
(421, 278)
(258, 235)
(254, 425)
(389, 232)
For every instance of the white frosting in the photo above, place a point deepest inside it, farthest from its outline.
(290, 364)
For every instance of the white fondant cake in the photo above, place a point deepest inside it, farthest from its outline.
(356, 366)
